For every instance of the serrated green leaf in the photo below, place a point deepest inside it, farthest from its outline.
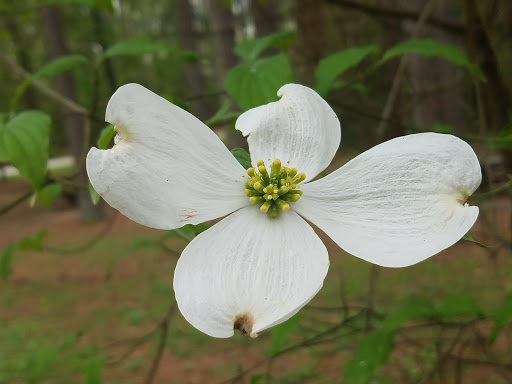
(330, 67)
(281, 332)
(428, 47)
(140, 47)
(250, 50)
(48, 194)
(106, 136)
(502, 316)
(242, 156)
(468, 237)
(35, 242)
(25, 140)
(60, 65)
(5, 261)
(257, 84)
(459, 305)
(95, 196)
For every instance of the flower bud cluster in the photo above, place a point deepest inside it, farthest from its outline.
(274, 191)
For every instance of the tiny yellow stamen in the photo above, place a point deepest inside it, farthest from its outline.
(273, 190)
(265, 207)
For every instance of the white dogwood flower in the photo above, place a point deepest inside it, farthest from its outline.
(394, 205)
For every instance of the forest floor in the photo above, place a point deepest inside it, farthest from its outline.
(96, 293)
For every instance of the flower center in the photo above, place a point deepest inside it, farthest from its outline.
(273, 191)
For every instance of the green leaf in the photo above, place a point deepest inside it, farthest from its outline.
(5, 261)
(414, 308)
(428, 47)
(222, 115)
(502, 316)
(459, 305)
(372, 352)
(95, 196)
(250, 50)
(4, 154)
(281, 332)
(60, 65)
(89, 3)
(25, 140)
(93, 370)
(140, 47)
(442, 128)
(242, 156)
(187, 232)
(134, 47)
(104, 5)
(374, 349)
(106, 136)
(468, 237)
(35, 242)
(48, 194)
(257, 84)
(257, 378)
(330, 67)
(18, 92)
(200, 228)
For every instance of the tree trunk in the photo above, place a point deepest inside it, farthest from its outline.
(435, 82)
(74, 125)
(266, 17)
(223, 41)
(194, 79)
(310, 44)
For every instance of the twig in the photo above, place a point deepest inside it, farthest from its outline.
(16, 202)
(371, 292)
(308, 342)
(68, 103)
(164, 327)
(369, 115)
(396, 13)
(90, 243)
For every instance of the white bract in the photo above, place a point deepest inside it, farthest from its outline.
(394, 205)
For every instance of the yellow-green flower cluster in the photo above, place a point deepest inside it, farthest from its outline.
(273, 191)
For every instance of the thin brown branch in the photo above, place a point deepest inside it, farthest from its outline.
(369, 297)
(16, 202)
(371, 10)
(164, 327)
(88, 244)
(70, 104)
(319, 338)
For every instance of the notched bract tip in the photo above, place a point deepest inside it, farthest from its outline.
(244, 323)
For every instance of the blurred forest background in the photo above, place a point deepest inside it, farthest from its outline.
(85, 294)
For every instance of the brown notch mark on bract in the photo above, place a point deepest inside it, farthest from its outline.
(244, 323)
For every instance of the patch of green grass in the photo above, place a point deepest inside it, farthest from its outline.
(30, 356)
